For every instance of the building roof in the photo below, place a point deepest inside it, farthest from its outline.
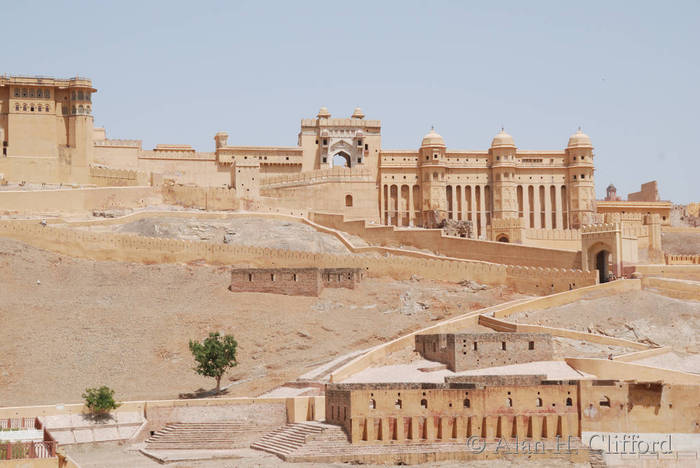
(432, 138)
(579, 140)
(502, 140)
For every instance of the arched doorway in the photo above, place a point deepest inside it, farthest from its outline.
(341, 159)
(601, 264)
(502, 238)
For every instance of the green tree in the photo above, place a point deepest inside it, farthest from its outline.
(100, 400)
(214, 356)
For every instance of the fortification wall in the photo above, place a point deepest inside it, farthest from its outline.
(41, 170)
(565, 239)
(435, 241)
(77, 200)
(684, 272)
(290, 281)
(108, 177)
(682, 259)
(680, 289)
(131, 248)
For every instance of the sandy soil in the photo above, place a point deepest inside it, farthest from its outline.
(259, 232)
(635, 315)
(128, 325)
(681, 243)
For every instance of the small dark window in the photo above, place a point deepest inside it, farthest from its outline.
(503, 345)
(538, 402)
(424, 403)
(250, 277)
(398, 404)
(359, 160)
(294, 276)
(348, 200)
(467, 403)
(325, 142)
(531, 345)
(509, 402)
(317, 142)
(475, 346)
(359, 142)
(372, 404)
(569, 402)
(272, 276)
(366, 147)
(604, 402)
(325, 159)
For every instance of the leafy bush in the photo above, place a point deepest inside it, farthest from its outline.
(100, 400)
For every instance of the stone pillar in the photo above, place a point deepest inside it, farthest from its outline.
(411, 211)
(382, 215)
(385, 433)
(537, 208)
(454, 202)
(415, 428)
(560, 211)
(482, 209)
(547, 208)
(472, 210)
(526, 206)
(536, 423)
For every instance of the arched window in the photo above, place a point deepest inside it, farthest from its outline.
(24, 107)
(538, 402)
(80, 95)
(24, 92)
(32, 108)
(81, 109)
(569, 402)
(348, 200)
(47, 93)
(509, 402)
(16, 107)
(467, 403)
(73, 110)
(72, 95)
(47, 108)
(372, 404)
(39, 93)
(38, 108)
(424, 403)
(604, 402)
(398, 404)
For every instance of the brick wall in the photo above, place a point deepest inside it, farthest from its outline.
(465, 351)
(290, 281)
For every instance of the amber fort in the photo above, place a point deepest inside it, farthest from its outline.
(389, 304)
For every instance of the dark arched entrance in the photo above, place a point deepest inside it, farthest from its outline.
(502, 238)
(601, 264)
(341, 159)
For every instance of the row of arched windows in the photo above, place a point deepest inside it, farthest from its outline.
(398, 404)
(80, 109)
(80, 95)
(32, 107)
(32, 92)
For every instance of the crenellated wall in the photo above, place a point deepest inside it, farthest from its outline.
(125, 247)
(77, 200)
(435, 241)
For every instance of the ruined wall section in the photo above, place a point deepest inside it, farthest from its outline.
(466, 351)
(290, 281)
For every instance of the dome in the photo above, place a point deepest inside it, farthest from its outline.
(611, 188)
(358, 114)
(502, 140)
(579, 140)
(323, 113)
(432, 138)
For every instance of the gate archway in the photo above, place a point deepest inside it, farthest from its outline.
(341, 159)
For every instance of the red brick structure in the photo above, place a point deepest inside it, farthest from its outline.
(293, 281)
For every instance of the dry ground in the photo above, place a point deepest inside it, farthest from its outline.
(127, 325)
(681, 243)
(634, 315)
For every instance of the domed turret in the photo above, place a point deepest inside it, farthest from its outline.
(432, 138)
(357, 114)
(579, 140)
(502, 140)
(323, 113)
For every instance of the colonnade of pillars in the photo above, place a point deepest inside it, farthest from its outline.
(542, 206)
(401, 205)
(450, 428)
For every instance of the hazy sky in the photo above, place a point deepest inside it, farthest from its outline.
(178, 72)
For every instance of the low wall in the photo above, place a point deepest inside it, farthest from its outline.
(682, 259)
(606, 369)
(31, 463)
(77, 200)
(132, 248)
(680, 289)
(471, 319)
(566, 239)
(686, 272)
(435, 241)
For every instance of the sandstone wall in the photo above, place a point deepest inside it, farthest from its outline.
(435, 241)
(77, 200)
(290, 281)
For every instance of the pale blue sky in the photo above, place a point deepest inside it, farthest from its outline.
(178, 72)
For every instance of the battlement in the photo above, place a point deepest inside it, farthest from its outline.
(335, 174)
(604, 227)
(117, 143)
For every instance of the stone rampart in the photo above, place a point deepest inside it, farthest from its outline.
(77, 200)
(435, 241)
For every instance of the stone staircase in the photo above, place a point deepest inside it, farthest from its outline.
(288, 439)
(205, 436)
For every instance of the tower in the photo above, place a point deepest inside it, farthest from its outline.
(581, 193)
(503, 161)
(433, 167)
